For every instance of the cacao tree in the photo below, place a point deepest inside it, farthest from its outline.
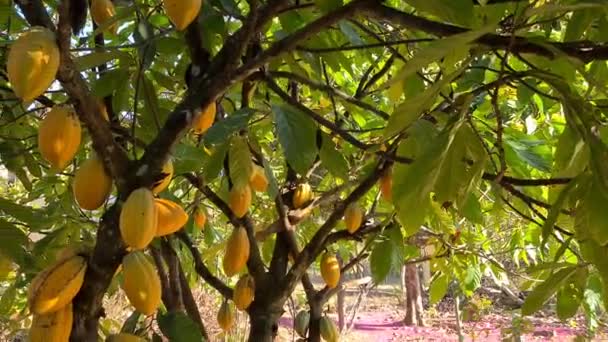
(152, 146)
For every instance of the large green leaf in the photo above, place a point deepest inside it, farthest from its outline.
(223, 129)
(381, 260)
(214, 164)
(178, 327)
(239, 159)
(542, 292)
(297, 135)
(332, 159)
(13, 242)
(438, 288)
(456, 11)
(569, 297)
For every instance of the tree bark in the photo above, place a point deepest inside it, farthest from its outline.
(314, 325)
(413, 303)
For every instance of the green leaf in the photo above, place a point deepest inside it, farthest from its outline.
(8, 300)
(578, 24)
(149, 96)
(143, 34)
(95, 59)
(297, 135)
(555, 210)
(438, 288)
(332, 159)
(569, 297)
(13, 242)
(215, 163)
(273, 185)
(223, 129)
(381, 260)
(188, 158)
(178, 327)
(542, 292)
(455, 11)
(110, 81)
(239, 159)
(472, 209)
(328, 5)
(131, 323)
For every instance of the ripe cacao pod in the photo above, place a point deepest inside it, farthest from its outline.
(141, 282)
(59, 137)
(200, 218)
(300, 324)
(240, 200)
(225, 316)
(302, 195)
(182, 12)
(56, 286)
(138, 219)
(102, 11)
(92, 185)
(171, 217)
(166, 174)
(124, 337)
(237, 252)
(52, 327)
(330, 269)
(204, 119)
(244, 292)
(33, 61)
(353, 217)
(329, 331)
(386, 185)
(258, 180)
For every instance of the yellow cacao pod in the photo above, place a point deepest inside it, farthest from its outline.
(6, 266)
(244, 292)
(225, 316)
(166, 174)
(171, 217)
(59, 137)
(52, 327)
(300, 324)
(56, 286)
(102, 12)
(33, 61)
(330, 270)
(302, 195)
(353, 216)
(138, 219)
(204, 120)
(182, 12)
(141, 282)
(124, 337)
(258, 180)
(237, 252)
(200, 218)
(240, 200)
(92, 185)
(329, 331)
(386, 186)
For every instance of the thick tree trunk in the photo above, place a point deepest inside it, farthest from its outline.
(340, 307)
(264, 317)
(314, 327)
(413, 302)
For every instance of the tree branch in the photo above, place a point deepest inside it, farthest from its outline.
(201, 269)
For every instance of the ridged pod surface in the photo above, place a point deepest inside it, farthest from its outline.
(239, 200)
(33, 61)
(124, 337)
(353, 216)
(200, 218)
(182, 12)
(163, 183)
(386, 186)
(141, 282)
(205, 119)
(302, 195)
(300, 324)
(101, 12)
(138, 219)
(59, 137)
(237, 252)
(171, 217)
(258, 180)
(52, 327)
(225, 316)
(329, 331)
(92, 185)
(56, 286)
(243, 292)
(330, 270)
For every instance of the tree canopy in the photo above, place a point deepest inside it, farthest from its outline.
(477, 126)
